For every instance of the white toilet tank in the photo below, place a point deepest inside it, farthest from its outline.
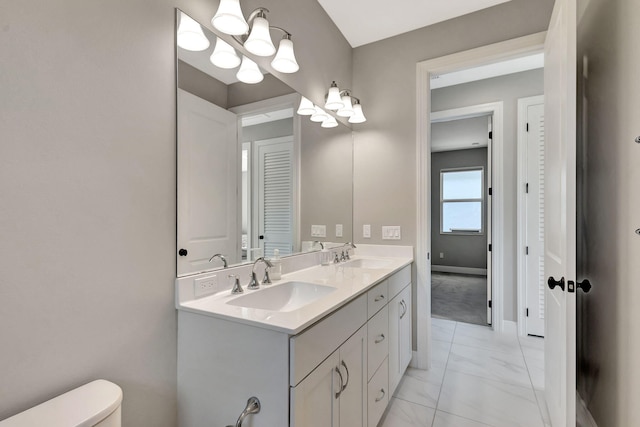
(96, 404)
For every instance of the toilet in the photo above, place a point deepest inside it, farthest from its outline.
(96, 404)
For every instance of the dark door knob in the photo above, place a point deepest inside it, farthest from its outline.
(585, 285)
(553, 283)
(261, 237)
(182, 252)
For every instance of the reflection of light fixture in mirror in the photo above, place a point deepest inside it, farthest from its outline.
(329, 122)
(358, 115)
(285, 60)
(259, 40)
(334, 102)
(224, 55)
(319, 115)
(229, 18)
(347, 109)
(190, 35)
(249, 72)
(306, 107)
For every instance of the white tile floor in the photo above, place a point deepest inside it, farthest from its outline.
(478, 378)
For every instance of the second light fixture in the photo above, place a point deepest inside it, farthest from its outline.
(344, 104)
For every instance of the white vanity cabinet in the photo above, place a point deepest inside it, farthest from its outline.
(400, 347)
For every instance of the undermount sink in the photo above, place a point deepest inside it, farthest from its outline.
(371, 264)
(288, 296)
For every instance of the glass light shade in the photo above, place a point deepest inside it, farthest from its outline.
(229, 18)
(285, 60)
(306, 107)
(249, 72)
(333, 98)
(259, 41)
(190, 35)
(347, 110)
(358, 116)
(319, 115)
(224, 55)
(330, 122)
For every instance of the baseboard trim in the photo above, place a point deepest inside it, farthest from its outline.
(461, 270)
(583, 416)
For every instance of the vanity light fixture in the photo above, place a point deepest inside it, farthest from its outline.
(224, 55)
(306, 107)
(329, 122)
(229, 18)
(347, 109)
(249, 72)
(333, 102)
(254, 34)
(358, 115)
(319, 116)
(190, 35)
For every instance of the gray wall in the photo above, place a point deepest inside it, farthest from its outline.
(458, 250)
(268, 130)
(202, 85)
(609, 251)
(507, 89)
(88, 182)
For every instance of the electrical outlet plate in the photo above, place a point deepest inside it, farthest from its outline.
(318, 231)
(366, 231)
(205, 286)
(338, 230)
(391, 232)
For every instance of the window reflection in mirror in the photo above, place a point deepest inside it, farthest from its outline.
(253, 176)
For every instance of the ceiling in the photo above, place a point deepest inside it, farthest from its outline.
(367, 21)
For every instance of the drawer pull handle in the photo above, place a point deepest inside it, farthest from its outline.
(346, 382)
(378, 399)
(378, 298)
(404, 308)
(379, 340)
(339, 392)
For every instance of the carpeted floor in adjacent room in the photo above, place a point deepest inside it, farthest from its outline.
(459, 297)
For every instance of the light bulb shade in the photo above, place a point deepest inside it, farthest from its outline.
(190, 35)
(249, 72)
(224, 55)
(306, 107)
(259, 41)
(358, 116)
(347, 109)
(329, 122)
(229, 18)
(334, 102)
(285, 60)
(319, 115)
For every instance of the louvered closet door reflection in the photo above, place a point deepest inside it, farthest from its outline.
(275, 199)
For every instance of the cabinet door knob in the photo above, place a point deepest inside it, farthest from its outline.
(379, 340)
(339, 392)
(378, 298)
(404, 308)
(378, 399)
(346, 383)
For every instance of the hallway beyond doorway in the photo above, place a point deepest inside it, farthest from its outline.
(459, 297)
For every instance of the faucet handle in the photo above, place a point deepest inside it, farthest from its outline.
(336, 259)
(266, 280)
(253, 283)
(237, 289)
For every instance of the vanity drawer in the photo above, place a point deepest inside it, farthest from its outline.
(377, 340)
(378, 394)
(309, 348)
(377, 298)
(398, 281)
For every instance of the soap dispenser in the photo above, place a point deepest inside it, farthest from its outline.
(276, 270)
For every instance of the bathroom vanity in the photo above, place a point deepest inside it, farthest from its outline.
(324, 346)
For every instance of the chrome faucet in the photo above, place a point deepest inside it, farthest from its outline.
(253, 407)
(237, 289)
(224, 260)
(348, 246)
(254, 283)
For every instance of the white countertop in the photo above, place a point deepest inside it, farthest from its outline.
(350, 282)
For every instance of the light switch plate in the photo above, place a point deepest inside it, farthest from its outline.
(338, 230)
(366, 231)
(391, 232)
(318, 231)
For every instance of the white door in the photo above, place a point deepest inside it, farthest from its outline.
(315, 402)
(274, 181)
(560, 214)
(353, 364)
(489, 222)
(535, 280)
(208, 171)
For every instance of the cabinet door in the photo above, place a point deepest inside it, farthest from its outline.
(353, 364)
(315, 401)
(405, 344)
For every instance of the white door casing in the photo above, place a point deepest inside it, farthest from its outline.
(208, 206)
(531, 277)
(489, 221)
(560, 213)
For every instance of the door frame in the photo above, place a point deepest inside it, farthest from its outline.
(480, 56)
(521, 223)
(495, 172)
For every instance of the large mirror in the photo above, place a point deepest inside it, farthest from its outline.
(253, 176)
